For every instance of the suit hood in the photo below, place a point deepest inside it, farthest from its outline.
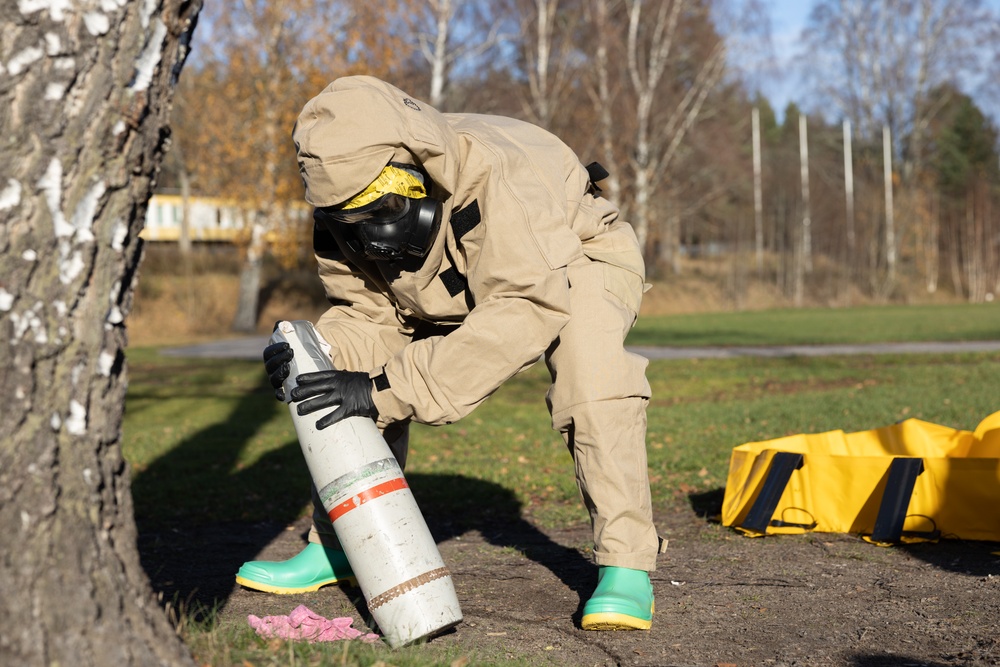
(345, 136)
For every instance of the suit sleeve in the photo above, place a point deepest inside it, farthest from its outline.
(516, 270)
(362, 325)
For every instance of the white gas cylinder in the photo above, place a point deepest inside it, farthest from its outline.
(396, 561)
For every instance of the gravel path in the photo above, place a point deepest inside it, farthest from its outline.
(250, 348)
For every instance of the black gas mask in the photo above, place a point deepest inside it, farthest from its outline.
(387, 227)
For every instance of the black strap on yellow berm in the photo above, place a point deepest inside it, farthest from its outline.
(902, 476)
(783, 464)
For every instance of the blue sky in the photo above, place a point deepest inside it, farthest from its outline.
(788, 18)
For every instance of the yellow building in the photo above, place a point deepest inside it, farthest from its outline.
(211, 219)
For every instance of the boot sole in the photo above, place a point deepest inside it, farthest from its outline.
(287, 590)
(612, 621)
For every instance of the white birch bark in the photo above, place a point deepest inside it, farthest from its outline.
(75, 177)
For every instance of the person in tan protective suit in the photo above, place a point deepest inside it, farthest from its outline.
(491, 229)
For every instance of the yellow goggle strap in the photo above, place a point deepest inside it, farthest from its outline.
(392, 180)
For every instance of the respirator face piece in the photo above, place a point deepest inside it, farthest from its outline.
(393, 216)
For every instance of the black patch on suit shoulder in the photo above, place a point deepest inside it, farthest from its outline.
(453, 281)
(465, 220)
(323, 241)
(381, 382)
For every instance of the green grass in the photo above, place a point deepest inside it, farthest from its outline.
(207, 442)
(875, 324)
(702, 409)
(227, 644)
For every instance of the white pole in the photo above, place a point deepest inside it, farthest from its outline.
(849, 189)
(890, 227)
(806, 220)
(758, 207)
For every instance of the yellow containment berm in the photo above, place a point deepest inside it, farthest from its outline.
(912, 481)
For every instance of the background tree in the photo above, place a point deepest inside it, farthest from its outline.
(262, 62)
(450, 34)
(86, 92)
(603, 86)
(880, 61)
(674, 59)
(968, 174)
(266, 34)
(660, 92)
(885, 57)
(548, 58)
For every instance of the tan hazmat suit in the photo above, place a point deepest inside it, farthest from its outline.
(527, 263)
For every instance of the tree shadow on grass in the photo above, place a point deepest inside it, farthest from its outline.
(197, 509)
(200, 515)
(970, 557)
(454, 505)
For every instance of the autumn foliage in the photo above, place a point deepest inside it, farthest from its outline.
(659, 91)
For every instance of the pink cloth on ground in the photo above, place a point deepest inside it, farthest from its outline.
(304, 623)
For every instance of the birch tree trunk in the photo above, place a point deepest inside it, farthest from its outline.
(184, 239)
(86, 90)
(273, 34)
(662, 118)
(248, 301)
(547, 48)
(435, 24)
(645, 69)
(437, 54)
(602, 98)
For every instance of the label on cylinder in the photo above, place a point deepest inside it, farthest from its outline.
(357, 487)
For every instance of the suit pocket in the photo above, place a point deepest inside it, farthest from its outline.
(626, 286)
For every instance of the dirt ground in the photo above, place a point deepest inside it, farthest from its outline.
(721, 599)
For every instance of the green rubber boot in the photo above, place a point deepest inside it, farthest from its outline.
(314, 567)
(623, 601)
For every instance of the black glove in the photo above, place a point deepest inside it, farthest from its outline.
(351, 391)
(276, 358)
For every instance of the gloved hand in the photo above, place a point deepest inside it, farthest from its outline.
(350, 390)
(276, 358)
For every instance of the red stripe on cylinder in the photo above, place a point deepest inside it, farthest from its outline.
(359, 499)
